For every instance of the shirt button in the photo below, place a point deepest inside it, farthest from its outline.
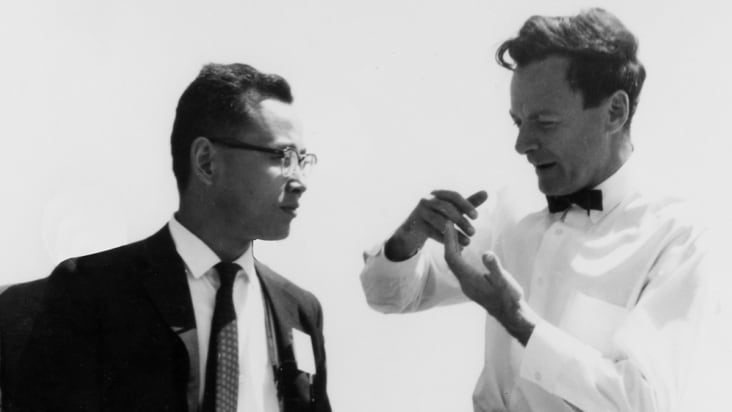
(558, 232)
(537, 375)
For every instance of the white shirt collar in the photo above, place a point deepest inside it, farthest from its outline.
(614, 189)
(197, 256)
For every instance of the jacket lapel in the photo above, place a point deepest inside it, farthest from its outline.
(165, 281)
(293, 385)
(283, 310)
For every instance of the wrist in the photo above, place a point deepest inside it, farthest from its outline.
(521, 322)
(402, 245)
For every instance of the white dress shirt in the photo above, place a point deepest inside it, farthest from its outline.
(257, 390)
(622, 294)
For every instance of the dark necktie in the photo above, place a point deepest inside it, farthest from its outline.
(586, 199)
(222, 364)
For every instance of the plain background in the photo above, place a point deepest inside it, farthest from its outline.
(399, 97)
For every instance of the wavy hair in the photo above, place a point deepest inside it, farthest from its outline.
(602, 53)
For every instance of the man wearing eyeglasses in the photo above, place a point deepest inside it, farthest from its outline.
(188, 319)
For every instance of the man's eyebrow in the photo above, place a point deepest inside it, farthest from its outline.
(536, 115)
(290, 146)
(283, 146)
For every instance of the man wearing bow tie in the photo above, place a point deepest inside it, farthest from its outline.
(188, 319)
(595, 303)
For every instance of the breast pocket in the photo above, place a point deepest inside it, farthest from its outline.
(592, 320)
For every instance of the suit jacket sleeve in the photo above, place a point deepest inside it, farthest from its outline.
(61, 369)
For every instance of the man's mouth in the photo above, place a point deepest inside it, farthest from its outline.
(541, 167)
(290, 209)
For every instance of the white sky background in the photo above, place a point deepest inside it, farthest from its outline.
(399, 97)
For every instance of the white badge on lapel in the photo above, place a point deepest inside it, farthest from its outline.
(303, 348)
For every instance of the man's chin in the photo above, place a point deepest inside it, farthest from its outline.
(549, 189)
(546, 190)
(276, 236)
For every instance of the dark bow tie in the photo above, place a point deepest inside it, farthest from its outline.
(586, 199)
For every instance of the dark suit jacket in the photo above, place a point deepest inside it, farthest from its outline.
(19, 306)
(117, 332)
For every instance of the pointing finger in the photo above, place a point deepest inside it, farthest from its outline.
(453, 250)
(451, 243)
(477, 198)
(460, 203)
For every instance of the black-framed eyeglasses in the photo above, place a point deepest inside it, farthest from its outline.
(291, 160)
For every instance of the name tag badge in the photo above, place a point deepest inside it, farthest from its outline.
(303, 347)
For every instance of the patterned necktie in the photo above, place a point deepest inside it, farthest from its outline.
(222, 364)
(586, 199)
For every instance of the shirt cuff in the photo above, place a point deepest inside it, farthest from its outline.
(548, 353)
(376, 257)
(391, 287)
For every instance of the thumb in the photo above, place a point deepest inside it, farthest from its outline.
(477, 198)
(497, 273)
(490, 261)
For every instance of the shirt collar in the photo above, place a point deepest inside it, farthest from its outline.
(197, 256)
(614, 189)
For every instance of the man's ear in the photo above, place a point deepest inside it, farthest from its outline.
(202, 164)
(618, 110)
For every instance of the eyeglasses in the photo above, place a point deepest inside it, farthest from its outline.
(291, 160)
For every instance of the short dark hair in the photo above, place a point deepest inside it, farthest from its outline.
(601, 51)
(221, 99)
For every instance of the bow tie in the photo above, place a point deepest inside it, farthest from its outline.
(586, 199)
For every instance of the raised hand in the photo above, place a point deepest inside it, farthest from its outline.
(491, 287)
(428, 220)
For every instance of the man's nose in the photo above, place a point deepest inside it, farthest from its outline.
(525, 141)
(297, 182)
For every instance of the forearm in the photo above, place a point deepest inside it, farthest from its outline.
(418, 283)
(403, 244)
